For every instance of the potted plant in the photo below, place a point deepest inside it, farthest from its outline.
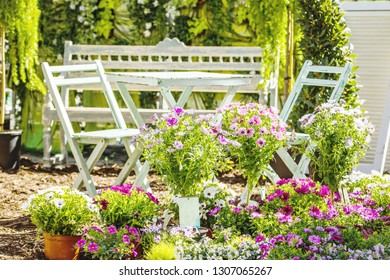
(61, 213)
(127, 205)
(186, 150)
(110, 243)
(254, 134)
(341, 136)
(22, 35)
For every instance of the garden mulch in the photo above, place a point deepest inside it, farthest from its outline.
(18, 236)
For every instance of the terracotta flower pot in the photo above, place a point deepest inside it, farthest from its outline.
(60, 247)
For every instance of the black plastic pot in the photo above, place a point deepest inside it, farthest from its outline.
(10, 143)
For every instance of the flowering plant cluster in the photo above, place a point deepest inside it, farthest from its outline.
(254, 132)
(61, 210)
(213, 198)
(184, 149)
(109, 243)
(341, 136)
(126, 204)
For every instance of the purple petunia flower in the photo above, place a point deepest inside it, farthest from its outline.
(81, 243)
(93, 247)
(172, 121)
(307, 230)
(126, 239)
(111, 230)
(178, 111)
(259, 238)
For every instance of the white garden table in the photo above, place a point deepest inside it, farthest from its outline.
(167, 80)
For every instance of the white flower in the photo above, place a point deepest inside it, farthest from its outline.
(220, 203)
(72, 6)
(82, 8)
(141, 2)
(210, 192)
(49, 195)
(146, 11)
(58, 202)
(148, 25)
(155, 3)
(348, 142)
(92, 207)
(147, 33)
(80, 18)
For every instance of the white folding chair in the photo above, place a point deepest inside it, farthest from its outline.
(305, 78)
(57, 77)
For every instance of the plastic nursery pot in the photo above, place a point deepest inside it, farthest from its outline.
(10, 143)
(60, 247)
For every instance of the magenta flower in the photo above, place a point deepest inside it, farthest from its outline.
(126, 239)
(237, 210)
(315, 239)
(93, 247)
(172, 121)
(134, 251)
(259, 238)
(260, 142)
(296, 258)
(214, 211)
(81, 243)
(97, 229)
(111, 230)
(303, 189)
(178, 111)
(152, 198)
(324, 191)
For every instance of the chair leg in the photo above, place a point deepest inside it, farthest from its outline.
(141, 177)
(87, 166)
(134, 155)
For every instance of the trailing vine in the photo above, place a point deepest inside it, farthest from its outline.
(22, 35)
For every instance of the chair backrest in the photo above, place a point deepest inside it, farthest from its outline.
(58, 78)
(304, 79)
(380, 154)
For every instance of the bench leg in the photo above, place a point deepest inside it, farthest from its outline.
(47, 123)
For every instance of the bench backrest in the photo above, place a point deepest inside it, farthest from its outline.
(173, 55)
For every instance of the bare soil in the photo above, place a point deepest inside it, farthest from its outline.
(18, 236)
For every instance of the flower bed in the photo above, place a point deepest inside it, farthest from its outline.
(293, 219)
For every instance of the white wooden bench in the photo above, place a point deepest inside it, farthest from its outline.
(168, 55)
